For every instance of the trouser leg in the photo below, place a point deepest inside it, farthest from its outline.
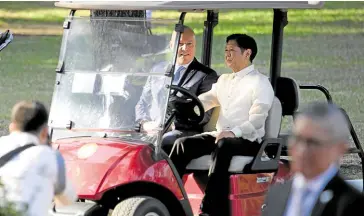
(170, 137)
(216, 200)
(186, 149)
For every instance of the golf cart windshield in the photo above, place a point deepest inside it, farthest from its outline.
(105, 63)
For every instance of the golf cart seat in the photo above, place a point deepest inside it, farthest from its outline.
(288, 93)
(238, 163)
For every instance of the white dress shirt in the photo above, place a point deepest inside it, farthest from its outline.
(245, 98)
(184, 65)
(34, 177)
(315, 185)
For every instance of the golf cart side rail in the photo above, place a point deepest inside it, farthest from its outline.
(358, 149)
(356, 140)
(189, 5)
(321, 88)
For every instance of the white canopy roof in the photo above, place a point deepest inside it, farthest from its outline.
(185, 5)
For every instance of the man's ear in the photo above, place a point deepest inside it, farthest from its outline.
(343, 148)
(248, 53)
(12, 127)
(173, 40)
(44, 135)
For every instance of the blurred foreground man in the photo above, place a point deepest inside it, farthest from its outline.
(32, 172)
(319, 140)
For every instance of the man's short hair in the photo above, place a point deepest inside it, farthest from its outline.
(244, 42)
(185, 28)
(29, 116)
(330, 118)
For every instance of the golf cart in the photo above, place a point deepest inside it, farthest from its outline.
(5, 38)
(104, 65)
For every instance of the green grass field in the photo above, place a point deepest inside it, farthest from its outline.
(320, 47)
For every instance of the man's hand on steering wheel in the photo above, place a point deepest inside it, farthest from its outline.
(188, 109)
(182, 105)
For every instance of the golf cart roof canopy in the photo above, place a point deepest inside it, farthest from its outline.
(187, 6)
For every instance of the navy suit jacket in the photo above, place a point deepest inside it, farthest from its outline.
(197, 79)
(346, 200)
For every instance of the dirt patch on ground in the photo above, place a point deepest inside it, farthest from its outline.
(35, 30)
(351, 167)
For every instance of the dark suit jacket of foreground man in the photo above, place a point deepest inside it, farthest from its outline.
(346, 200)
(197, 79)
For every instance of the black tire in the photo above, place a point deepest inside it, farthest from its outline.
(140, 206)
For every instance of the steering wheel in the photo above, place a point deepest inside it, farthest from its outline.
(194, 117)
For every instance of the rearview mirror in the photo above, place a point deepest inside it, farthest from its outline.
(5, 38)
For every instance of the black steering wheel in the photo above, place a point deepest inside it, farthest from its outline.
(190, 115)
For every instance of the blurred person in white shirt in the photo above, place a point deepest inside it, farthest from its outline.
(34, 177)
(244, 97)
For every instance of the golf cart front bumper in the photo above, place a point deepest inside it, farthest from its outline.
(78, 209)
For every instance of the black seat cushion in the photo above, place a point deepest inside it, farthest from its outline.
(287, 91)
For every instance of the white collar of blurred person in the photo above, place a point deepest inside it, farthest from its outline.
(319, 182)
(23, 138)
(184, 65)
(245, 71)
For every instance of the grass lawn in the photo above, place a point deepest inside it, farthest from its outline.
(320, 47)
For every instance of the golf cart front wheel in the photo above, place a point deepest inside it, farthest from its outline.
(140, 206)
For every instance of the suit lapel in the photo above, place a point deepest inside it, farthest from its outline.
(325, 197)
(278, 203)
(190, 71)
(286, 192)
(190, 74)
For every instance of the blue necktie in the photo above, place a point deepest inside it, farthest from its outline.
(177, 75)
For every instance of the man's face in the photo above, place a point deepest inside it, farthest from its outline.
(186, 48)
(311, 148)
(234, 56)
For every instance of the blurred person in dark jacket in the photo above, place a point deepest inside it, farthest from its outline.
(319, 140)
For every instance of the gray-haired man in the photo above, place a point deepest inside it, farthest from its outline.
(189, 74)
(320, 138)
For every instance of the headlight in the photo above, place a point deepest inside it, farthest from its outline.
(87, 150)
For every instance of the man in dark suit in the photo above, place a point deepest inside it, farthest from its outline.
(189, 74)
(320, 138)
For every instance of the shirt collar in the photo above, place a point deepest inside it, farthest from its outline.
(318, 182)
(244, 71)
(184, 65)
(24, 138)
